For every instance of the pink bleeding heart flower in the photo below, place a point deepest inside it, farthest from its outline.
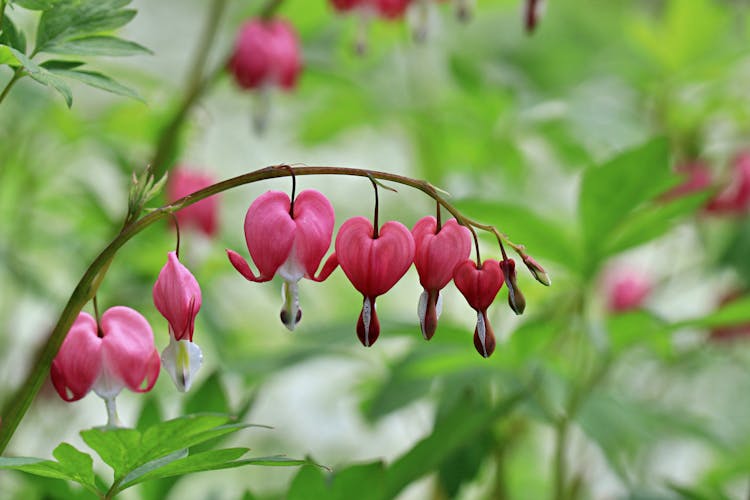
(388, 9)
(266, 53)
(480, 285)
(436, 255)
(119, 353)
(291, 246)
(734, 199)
(532, 12)
(516, 300)
(177, 296)
(373, 265)
(625, 289)
(202, 215)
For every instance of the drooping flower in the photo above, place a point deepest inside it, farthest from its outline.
(202, 215)
(266, 53)
(290, 245)
(734, 199)
(177, 296)
(480, 285)
(536, 270)
(436, 255)
(516, 300)
(118, 353)
(388, 9)
(373, 265)
(532, 12)
(625, 289)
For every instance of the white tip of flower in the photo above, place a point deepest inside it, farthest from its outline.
(291, 314)
(482, 333)
(366, 319)
(182, 359)
(422, 308)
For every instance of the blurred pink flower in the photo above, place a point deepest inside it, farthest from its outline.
(625, 289)
(730, 332)
(480, 285)
(697, 177)
(202, 215)
(388, 9)
(734, 199)
(266, 53)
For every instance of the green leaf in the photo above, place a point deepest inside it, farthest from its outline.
(43, 76)
(611, 191)
(736, 312)
(98, 46)
(35, 4)
(639, 329)
(544, 238)
(211, 460)
(209, 397)
(7, 56)
(69, 20)
(11, 35)
(310, 482)
(100, 81)
(72, 465)
(459, 427)
(118, 448)
(54, 64)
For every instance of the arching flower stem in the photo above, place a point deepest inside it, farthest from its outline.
(18, 404)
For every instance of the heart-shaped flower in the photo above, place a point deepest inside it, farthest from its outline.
(290, 245)
(480, 285)
(177, 296)
(373, 265)
(266, 53)
(118, 353)
(436, 255)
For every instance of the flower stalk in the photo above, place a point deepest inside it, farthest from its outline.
(16, 407)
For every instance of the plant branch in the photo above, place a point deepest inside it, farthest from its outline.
(197, 83)
(2, 14)
(17, 75)
(17, 406)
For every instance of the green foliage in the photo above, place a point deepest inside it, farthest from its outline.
(160, 451)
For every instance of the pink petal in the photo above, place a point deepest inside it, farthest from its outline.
(202, 215)
(269, 232)
(241, 265)
(479, 285)
(177, 296)
(128, 348)
(78, 362)
(437, 255)
(314, 218)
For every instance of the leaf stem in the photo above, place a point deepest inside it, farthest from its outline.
(17, 406)
(17, 75)
(2, 14)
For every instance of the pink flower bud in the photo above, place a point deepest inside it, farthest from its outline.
(625, 289)
(516, 300)
(124, 356)
(436, 255)
(266, 53)
(480, 285)
(536, 270)
(387, 9)
(177, 296)
(290, 245)
(697, 177)
(373, 265)
(202, 215)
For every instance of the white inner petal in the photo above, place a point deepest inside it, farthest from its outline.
(107, 386)
(182, 359)
(482, 332)
(422, 308)
(290, 308)
(292, 269)
(439, 304)
(366, 318)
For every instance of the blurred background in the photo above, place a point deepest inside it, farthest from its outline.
(612, 142)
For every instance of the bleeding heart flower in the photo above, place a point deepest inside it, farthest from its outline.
(480, 285)
(291, 246)
(266, 53)
(388, 9)
(202, 215)
(436, 255)
(177, 296)
(516, 300)
(373, 265)
(625, 289)
(532, 12)
(119, 354)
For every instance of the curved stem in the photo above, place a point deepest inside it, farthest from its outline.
(375, 223)
(17, 75)
(17, 406)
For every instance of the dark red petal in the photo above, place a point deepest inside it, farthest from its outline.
(368, 325)
(484, 337)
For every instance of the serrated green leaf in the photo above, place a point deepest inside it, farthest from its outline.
(55, 64)
(69, 20)
(35, 4)
(118, 448)
(11, 35)
(98, 80)
(97, 46)
(153, 465)
(36, 466)
(310, 482)
(77, 463)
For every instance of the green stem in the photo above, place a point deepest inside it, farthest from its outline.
(2, 14)
(17, 75)
(196, 85)
(17, 406)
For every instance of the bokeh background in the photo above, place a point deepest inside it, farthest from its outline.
(566, 140)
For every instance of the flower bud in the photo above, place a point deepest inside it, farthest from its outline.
(536, 270)
(516, 300)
